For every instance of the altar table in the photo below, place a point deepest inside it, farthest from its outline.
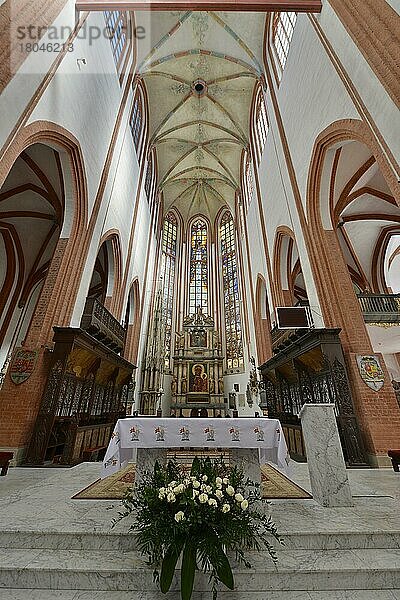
(155, 434)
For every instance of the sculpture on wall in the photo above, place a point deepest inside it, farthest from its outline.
(173, 386)
(183, 385)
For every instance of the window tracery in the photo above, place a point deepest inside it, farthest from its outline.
(198, 276)
(116, 25)
(136, 120)
(168, 260)
(282, 33)
(260, 124)
(230, 287)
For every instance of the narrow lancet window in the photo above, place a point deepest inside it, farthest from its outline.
(198, 277)
(230, 288)
(168, 260)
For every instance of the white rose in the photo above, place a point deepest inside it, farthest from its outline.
(179, 489)
(195, 493)
(161, 495)
(196, 484)
(218, 486)
(230, 490)
(239, 498)
(173, 484)
(218, 480)
(212, 502)
(225, 481)
(203, 498)
(176, 489)
(208, 489)
(226, 508)
(162, 490)
(244, 504)
(171, 497)
(219, 494)
(204, 478)
(179, 516)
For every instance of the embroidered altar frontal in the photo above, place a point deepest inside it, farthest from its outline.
(262, 433)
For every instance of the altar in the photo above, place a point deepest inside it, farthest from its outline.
(251, 440)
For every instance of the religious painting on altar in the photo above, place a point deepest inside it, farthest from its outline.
(198, 338)
(198, 378)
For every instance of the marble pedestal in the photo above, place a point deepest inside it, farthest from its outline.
(248, 460)
(145, 461)
(328, 476)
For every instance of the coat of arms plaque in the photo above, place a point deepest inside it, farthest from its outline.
(22, 365)
(371, 371)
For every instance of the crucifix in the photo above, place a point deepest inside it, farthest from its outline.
(312, 6)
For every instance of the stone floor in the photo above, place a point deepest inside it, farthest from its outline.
(40, 499)
(365, 537)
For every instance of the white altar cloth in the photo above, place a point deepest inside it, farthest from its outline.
(144, 432)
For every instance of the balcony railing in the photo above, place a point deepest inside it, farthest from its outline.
(380, 308)
(100, 324)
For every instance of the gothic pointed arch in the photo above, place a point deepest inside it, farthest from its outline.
(132, 322)
(106, 283)
(262, 321)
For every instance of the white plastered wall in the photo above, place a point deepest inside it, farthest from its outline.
(311, 96)
(84, 99)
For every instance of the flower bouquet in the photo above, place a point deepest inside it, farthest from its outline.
(201, 515)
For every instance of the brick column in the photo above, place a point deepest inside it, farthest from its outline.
(378, 412)
(19, 404)
(372, 25)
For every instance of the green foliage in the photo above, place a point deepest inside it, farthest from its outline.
(169, 564)
(188, 569)
(201, 516)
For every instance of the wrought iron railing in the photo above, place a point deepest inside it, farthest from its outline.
(380, 308)
(287, 396)
(100, 324)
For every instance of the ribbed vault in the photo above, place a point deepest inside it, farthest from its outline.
(200, 73)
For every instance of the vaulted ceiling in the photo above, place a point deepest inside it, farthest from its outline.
(200, 70)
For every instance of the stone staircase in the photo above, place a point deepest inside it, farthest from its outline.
(106, 566)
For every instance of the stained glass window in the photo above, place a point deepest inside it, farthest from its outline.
(198, 280)
(116, 28)
(282, 34)
(136, 120)
(261, 124)
(230, 287)
(168, 258)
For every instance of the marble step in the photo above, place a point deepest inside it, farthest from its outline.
(125, 541)
(20, 594)
(310, 570)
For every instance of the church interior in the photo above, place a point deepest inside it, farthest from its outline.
(199, 219)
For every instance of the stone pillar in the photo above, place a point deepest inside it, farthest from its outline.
(248, 460)
(145, 461)
(329, 482)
